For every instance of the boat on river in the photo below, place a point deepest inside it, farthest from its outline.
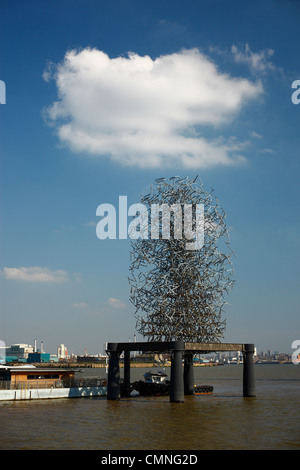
(157, 383)
(154, 383)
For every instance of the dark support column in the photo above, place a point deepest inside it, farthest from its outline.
(126, 391)
(113, 379)
(188, 374)
(176, 385)
(248, 375)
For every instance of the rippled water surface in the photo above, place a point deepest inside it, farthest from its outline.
(223, 420)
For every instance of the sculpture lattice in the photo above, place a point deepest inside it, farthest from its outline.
(178, 293)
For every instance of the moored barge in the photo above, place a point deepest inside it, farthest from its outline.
(28, 382)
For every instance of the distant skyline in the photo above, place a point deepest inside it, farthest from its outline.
(41, 347)
(101, 99)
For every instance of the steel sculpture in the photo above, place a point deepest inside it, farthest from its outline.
(178, 293)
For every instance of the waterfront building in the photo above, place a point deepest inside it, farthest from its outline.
(38, 357)
(29, 382)
(13, 377)
(18, 352)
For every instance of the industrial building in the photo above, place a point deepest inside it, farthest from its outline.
(18, 352)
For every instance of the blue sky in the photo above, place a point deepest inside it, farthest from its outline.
(104, 97)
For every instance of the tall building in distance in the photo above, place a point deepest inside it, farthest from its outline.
(62, 352)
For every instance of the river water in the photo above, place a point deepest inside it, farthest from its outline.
(223, 420)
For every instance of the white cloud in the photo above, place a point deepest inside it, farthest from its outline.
(80, 305)
(35, 274)
(257, 61)
(255, 135)
(147, 112)
(116, 303)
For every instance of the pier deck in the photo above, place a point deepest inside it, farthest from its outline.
(157, 346)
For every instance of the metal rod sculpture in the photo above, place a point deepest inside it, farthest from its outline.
(178, 292)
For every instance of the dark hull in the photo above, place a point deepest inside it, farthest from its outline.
(150, 389)
(153, 389)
